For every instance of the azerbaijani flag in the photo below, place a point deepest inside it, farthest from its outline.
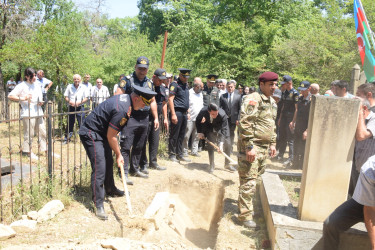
(365, 39)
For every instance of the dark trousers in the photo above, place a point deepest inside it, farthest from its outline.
(133, 137)
(153, 145)
(346, 215)
(228, 143)
(177, 134)
(100, 155)
(286, 136)
(80, 117)
(299, 150)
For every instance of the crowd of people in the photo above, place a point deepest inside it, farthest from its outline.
(198, 116)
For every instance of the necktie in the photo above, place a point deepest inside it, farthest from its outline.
(229, 101)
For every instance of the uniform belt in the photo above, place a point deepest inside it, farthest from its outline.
(182, 110)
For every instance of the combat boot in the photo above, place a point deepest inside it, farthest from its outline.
(101, 214)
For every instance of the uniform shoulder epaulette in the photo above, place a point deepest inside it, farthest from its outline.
(128, 77)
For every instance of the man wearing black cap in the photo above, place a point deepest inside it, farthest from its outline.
(210, 91)
(299, 124)
(153, 134)
(288, 112)
(98, 134)
(179, 105)
(134, 136)
(257, 137)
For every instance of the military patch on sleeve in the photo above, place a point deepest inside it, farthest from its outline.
(149, 85)
(122, 83)
(252, 102)
(172, 88)
(296, 98)
(123, 98)
(291, 95)
(123, 121)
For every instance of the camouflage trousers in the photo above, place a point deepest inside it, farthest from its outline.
(249, 173)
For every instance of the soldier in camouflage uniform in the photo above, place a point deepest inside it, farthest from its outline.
(257, 137)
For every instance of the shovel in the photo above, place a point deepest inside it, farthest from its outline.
(232, 162)
(126, 192)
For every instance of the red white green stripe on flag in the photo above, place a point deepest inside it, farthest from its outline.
(365, 41)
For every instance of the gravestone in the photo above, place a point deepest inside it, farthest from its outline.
(328, 156)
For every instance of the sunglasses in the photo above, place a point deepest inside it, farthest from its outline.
(146, 101)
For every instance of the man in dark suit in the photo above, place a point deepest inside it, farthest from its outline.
(230, 102)
(212, 122)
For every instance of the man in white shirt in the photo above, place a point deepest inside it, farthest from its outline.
(99, 93)
(76, 95)
(45, 84)
(11, 84)
(29, 94)
(195, 106)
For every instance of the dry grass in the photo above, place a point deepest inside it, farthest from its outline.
(292, 186)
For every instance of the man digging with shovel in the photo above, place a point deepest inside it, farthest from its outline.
(99, 137)
(212, 122)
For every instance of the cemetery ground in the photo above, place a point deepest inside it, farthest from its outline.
(205, 214)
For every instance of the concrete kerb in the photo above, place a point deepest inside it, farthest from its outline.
(287, 232)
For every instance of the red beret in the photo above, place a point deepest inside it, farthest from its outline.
(268, 76)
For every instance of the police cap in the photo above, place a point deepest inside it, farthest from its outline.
(304, 85)
(145, 93)
(212, 78)
(142, 62)
(268, 76)
(161, 74)
(185, 72)
(286, 78)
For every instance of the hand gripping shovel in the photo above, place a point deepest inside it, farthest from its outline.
(233, 162)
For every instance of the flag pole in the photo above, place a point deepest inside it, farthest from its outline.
(164, 48)
(372, 35)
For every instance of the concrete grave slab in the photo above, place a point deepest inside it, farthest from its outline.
(328, 156)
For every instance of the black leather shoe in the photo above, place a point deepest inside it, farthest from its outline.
(230, 168)
(173, 158)
(115, 192)
(249, 224)
(140, 174)
(101, 214)
(157, 167)
(183, 159)
(144, 170)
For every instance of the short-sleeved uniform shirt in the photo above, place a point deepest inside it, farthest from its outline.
(180, 91)
(114, 113)
(132, 79)
(289, 99)
(364, 192)
(160, 97)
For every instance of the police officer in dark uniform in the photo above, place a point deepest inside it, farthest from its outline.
(98, 135)
(179, 105)
(288, 112)
(210, 91)
(212, 122)
(153, 134)
(134, 136)
(300, 124)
